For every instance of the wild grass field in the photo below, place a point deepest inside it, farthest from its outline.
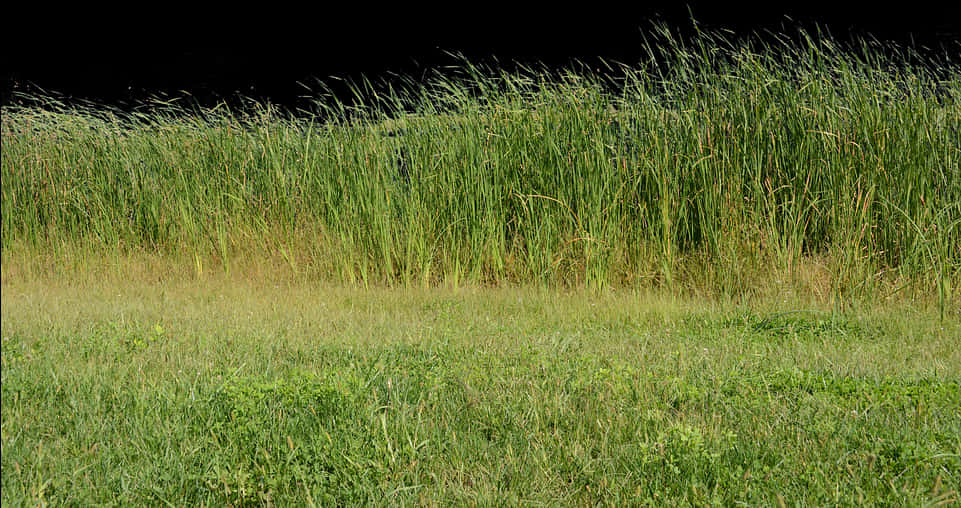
(729, 274)
(242, 393)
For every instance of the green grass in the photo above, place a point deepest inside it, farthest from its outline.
(730, 276)
(241, 393)
(705, 169)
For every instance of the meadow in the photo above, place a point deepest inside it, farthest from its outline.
(728, 274)
(244, 394)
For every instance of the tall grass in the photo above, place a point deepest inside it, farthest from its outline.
(711, 164)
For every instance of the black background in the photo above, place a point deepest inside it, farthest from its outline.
(124, 53)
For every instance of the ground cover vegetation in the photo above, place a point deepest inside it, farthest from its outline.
(246, 394)
(726, 274)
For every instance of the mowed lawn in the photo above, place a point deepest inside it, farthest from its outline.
(232, 392)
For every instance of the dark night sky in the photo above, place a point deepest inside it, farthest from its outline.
(126, 54)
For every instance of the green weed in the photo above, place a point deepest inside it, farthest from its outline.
(707, 167)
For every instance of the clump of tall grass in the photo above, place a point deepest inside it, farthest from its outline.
(711, 164)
